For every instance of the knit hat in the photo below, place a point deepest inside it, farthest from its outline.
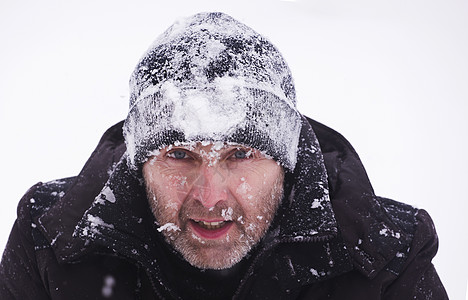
(212, 78)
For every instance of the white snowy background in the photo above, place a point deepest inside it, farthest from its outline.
(391, 76)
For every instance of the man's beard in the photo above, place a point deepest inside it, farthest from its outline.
(248, 226)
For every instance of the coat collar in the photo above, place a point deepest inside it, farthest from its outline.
(376, 231)
(104, 208)
(59, 221)
(305, 215)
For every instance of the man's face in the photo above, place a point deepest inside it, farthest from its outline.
(213, 202)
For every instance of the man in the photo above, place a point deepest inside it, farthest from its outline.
(216, 187)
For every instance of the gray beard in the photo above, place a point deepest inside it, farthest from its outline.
(215, 254)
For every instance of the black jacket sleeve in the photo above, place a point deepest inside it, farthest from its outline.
(19, 274)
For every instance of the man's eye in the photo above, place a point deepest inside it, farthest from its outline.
(241, 154)
(177, 154)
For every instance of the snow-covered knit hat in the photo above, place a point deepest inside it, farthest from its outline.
(212, 78)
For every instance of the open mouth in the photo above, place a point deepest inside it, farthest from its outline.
(210, 229)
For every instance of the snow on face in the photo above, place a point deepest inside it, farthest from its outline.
(168, 227)
(210, 220)
(244, 188)
(227, 213)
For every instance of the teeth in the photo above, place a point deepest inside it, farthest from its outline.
(210, 225)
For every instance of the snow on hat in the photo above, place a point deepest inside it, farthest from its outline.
(212, 78)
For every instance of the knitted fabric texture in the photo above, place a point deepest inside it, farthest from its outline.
(210, 78)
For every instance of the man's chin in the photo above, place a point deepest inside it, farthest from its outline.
(214, 260)
(211, 254)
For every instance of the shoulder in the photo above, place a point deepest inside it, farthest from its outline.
(38, 200)
(41, 196)
(404, 216)
(416, 224)
(409, 241)
(414, 274)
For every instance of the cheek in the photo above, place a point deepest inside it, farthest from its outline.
(164, 202)
(171, 208)
(177, 182)
(166, 192)
(168, 181)
(253, 187)
(259, 193)
(244, 189)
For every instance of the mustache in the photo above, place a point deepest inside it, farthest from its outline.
(193, 209)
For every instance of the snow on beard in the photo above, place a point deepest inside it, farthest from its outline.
(250, 217)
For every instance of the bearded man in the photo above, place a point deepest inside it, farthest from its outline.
(216, 187)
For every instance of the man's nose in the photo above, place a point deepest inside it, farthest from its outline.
(210, 186)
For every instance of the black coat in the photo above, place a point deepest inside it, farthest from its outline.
(72, 240)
